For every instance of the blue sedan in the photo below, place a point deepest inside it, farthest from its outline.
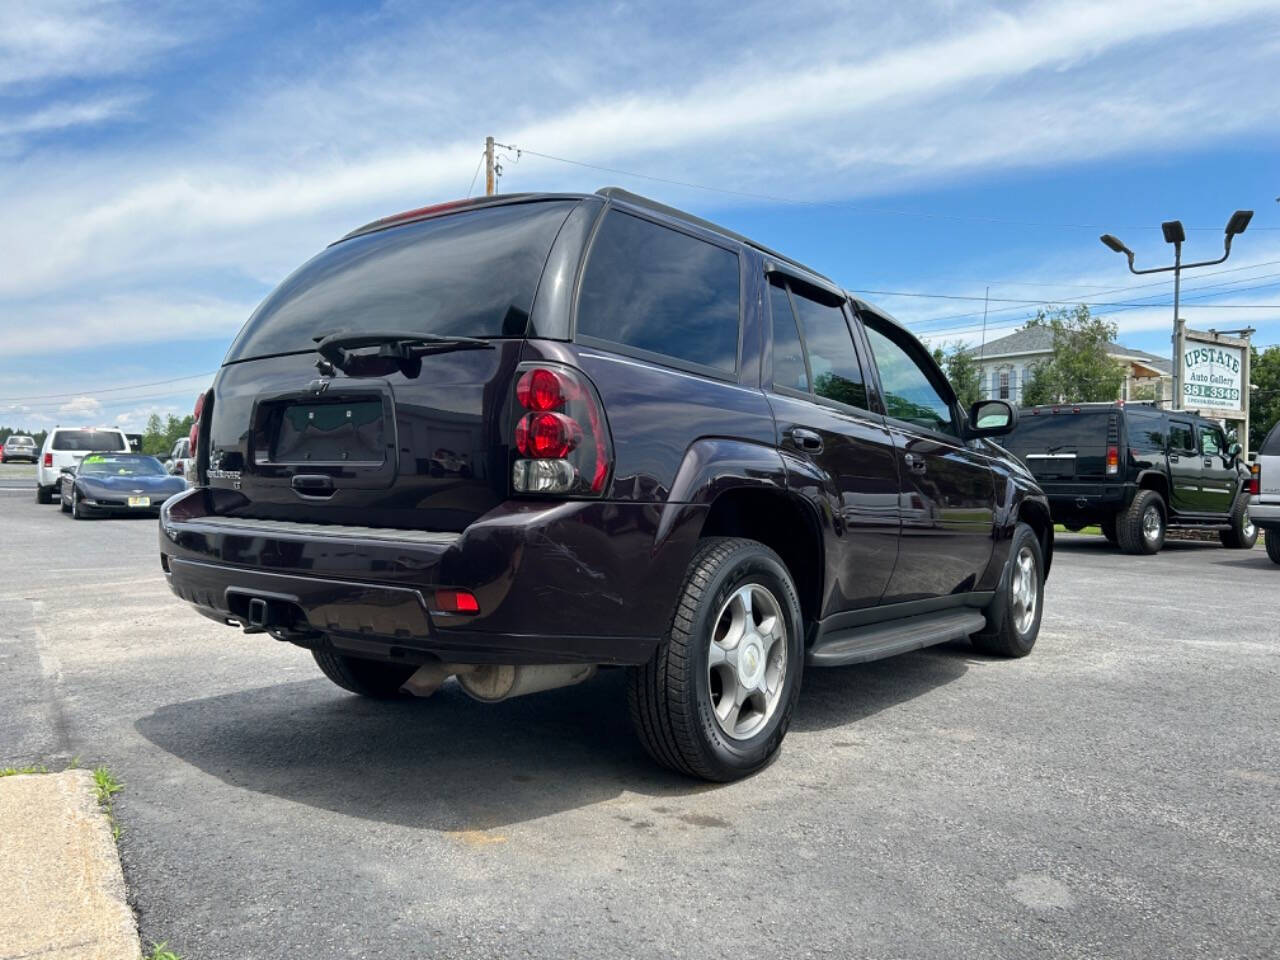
(117, 483)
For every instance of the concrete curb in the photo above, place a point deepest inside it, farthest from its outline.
(62, 891)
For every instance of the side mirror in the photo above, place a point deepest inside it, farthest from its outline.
(992, 418)
(68, 471)
(1233, 452)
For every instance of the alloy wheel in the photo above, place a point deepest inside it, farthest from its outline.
(1024, 590)
(747, 661)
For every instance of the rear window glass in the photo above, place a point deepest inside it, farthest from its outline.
(1046, 432)
(88, 440)
(470, 274)
(1271, 445)
(663, 292)
(19, 442)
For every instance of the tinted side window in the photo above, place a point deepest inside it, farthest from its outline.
(832, 361)
(661, 291)
(788, 355)
(1211, 441)
(1271, 445)
(908, 394)
(1181, 439)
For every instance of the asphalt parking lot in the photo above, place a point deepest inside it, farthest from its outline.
(1114, 795)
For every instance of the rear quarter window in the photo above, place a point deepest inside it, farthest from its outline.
(661, 292)
(1271, 445)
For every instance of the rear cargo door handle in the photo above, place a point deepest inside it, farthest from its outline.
(914, 463)
(313, 484)
(806, 440)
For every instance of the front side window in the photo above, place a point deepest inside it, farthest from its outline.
(909, 395)
(1181, 438)
(662, 292)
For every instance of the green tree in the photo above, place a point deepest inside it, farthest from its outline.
(1080, 369)
(961, 366)
(1264, 401)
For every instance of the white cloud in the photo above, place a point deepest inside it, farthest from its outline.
(83, 407)
(60, 116)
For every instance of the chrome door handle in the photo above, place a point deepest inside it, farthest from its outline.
(806, 440)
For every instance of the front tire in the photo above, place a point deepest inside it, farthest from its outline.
(1140, 529)
(1243, 533)
(369, 678)
(716, 699)
(1013, 618)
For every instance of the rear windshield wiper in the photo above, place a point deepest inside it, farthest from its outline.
(403, 351)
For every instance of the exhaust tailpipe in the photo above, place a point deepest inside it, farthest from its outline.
(493, 683)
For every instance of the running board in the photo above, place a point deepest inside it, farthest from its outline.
(878, 640)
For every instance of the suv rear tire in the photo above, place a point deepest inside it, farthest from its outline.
(1013, 618)
(44, 494)
(369, 678)
(1243, 533)
(1108, 527)
(1140, 529)
(1272, 543)
(716, 699)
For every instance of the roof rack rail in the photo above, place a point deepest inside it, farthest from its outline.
(636, 200)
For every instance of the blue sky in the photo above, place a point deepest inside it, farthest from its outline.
(162, 166)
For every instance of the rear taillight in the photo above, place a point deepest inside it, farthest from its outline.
(457, 601)
(48, 459)
(1113, 461)
(194, 436)
(1253, 486)
(560, 435)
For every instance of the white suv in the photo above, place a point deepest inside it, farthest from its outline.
(1264, 505)
(65, 447)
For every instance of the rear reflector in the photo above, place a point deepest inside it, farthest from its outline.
(457, 601)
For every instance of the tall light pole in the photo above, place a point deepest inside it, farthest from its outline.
(1173, 233)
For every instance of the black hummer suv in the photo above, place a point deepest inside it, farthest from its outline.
(1136, 470)
(517, 439)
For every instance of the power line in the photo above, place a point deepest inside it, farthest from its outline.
(844, 204)
(94, 393)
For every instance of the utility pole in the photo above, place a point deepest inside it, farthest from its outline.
(488, 167)
(1174, 234)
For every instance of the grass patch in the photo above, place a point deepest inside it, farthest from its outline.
(161, 951)
(1093, 530)
(20, 771)
(105, 787)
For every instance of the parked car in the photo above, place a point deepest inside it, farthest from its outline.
(65, 446)
(179, 455)
(18, 449)
(669, 449)
(1264, 485)
(108, 482)
(1136, 470)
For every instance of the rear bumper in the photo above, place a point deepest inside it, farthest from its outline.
(1264, 515)
(556, 582)
(1086, 502)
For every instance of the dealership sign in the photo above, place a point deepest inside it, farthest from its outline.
(1212, 376)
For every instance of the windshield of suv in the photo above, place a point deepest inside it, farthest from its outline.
(471, 274)
(88, 440)
(129, 465)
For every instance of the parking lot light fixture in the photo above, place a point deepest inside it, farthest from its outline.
(1175, 234)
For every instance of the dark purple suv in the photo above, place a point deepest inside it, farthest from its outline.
(518, 439)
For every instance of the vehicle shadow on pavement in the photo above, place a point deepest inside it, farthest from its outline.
(836, 696)
(448, 763)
